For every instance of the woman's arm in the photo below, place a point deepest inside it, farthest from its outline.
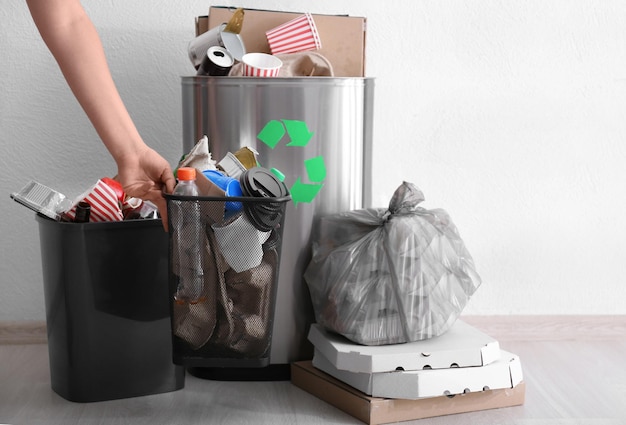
(74, 42)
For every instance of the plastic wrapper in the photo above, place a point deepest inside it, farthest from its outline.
(390, 276)
(42, 199)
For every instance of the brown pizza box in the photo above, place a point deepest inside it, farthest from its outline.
(376, 410)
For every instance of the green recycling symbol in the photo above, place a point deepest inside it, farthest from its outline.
(299, 136)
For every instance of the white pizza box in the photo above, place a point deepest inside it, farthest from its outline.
(505, 372)
(461, 346)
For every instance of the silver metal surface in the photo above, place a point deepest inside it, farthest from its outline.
(232, 111)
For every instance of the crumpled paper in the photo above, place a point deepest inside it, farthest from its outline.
(199, 156)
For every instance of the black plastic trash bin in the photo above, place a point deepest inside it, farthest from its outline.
(107, 309)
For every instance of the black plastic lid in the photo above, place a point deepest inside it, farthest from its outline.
(259, 182)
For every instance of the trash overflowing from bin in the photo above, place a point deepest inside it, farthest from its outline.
(315, 127)
(104, 259)
(104, 201)
(225, 223)
(225, 232)
(291, 49)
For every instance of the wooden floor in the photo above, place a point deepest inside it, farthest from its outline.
(572, 378)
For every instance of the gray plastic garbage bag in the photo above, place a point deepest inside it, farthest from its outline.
(390, 276)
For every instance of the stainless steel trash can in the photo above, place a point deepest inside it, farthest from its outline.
(317, 131)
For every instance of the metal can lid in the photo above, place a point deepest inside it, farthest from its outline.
(220, 57)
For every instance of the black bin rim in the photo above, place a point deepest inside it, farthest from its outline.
(259, 199)
(94, 225)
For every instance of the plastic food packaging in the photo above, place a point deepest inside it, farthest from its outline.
(42, 199)
(390, 276)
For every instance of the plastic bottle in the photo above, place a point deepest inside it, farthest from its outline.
(189, 237)
(186, 182)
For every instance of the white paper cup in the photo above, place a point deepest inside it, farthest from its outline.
(298, 35)
(240, 243)
(260, 65)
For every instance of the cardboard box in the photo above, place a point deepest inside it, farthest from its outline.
(202, 25)
(343, 37)
(375, 410)
(503, 373)
(462, 345)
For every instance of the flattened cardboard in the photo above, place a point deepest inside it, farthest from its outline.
(206, 187)
(376, 410)
(415, 384)
(462, 345)
(213, 210)
(202, 25)
(343, 37)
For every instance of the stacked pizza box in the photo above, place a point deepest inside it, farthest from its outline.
(438, 371)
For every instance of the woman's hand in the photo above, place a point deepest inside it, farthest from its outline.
(147, 175)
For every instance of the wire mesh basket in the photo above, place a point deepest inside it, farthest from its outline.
(223, 275)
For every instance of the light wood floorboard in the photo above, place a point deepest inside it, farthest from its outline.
(503, 328)
(569, 381)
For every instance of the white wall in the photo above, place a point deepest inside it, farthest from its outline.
(509, 115)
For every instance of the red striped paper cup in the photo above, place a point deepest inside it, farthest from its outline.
(260, 65)
(298, 35)
(104, 204)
